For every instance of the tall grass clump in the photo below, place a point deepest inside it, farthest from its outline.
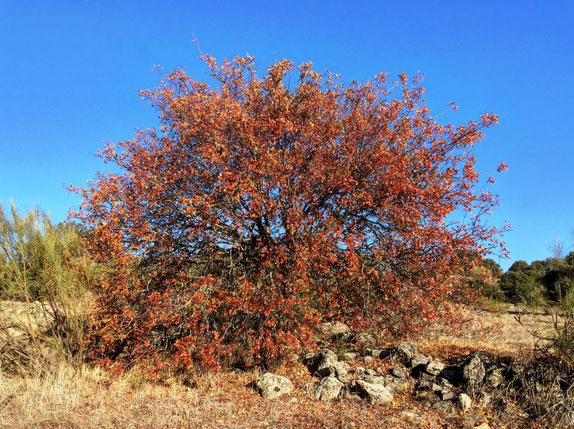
(45, 278)
(564, 330)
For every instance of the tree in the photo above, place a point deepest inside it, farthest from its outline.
(258, 209)
(522, 283)
(556, 247)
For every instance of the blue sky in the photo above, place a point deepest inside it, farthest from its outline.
(70, 71)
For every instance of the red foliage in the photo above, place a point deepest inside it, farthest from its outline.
(259, 209)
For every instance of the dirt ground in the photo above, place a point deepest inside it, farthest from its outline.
(89, 397)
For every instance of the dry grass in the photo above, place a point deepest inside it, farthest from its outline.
(91, 398)
(506, 330)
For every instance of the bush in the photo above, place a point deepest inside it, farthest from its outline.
(521, 284)
(45, 274)
(484, 278)
(259, 209)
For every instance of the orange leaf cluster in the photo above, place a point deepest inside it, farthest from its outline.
(267, 204)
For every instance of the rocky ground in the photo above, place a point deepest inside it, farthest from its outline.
(460, 378)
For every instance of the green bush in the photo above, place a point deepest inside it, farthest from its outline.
(521, 284)
(45, 276)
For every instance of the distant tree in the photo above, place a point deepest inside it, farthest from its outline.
(558, 278)
(493, 267)
(484, 277)
(521, 284)
(261, 207)
(556, 247)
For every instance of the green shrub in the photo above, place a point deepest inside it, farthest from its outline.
(45, 275)
(521, 284)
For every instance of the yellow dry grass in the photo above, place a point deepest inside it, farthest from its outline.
(63, 397)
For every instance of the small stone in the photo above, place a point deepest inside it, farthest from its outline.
(350, 356)
(464, 402)
(434, 367)
(325, 364)
(365, 339)
(399, 372)
(419, 360)
(329, 388)
(369, 351)
(370, 372)
(473, 371)
(375, 379)
(272, 386)
(482, 426)
(445, 394)
(484, 399)
(374, 393)
(494, 379)
(398, 385)
(368, 360)
(406, 351)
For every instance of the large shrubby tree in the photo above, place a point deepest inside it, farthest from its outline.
(264, 205)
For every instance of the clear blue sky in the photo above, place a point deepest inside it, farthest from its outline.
(70, 71)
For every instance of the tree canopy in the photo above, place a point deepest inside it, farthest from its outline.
(264, 205)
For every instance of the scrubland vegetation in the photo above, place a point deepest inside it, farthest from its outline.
(259, 213)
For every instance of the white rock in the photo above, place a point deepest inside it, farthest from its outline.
(272, 386)
(374, 393)
(329, 388)
(434, 367)
(464, 402)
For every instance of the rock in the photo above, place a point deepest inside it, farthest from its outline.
(425, 378)
(393, 384)
(473, 371)
(494, 378)
(375, 393)
(464, 402)
(398, 385)
(375, 379)
(405, 352)
(350, 356)
(398, 372)
(372, 352)
(334, 329)
(365, 339)
(484, 399)
(419, 360)
(443, 392)
(340, 370)
(443, 382)
(434, 367)
(272, 386)
(329, 388)
(482, 426)
(370, 372)
(325, 364)
(360, 371)
(368, 360)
